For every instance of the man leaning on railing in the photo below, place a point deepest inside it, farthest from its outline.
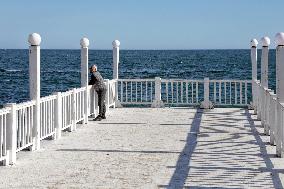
(98, 82)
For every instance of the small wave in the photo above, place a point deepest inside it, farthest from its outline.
(14, 70)
(217, 71)
(60, 71)
(10, 70)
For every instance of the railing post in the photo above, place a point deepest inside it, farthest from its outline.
(264, 61)
(272, 117)
(11, 133)
(264, 81)
(107, 95)
(115, 56)
(253, 55)
(279, 90)
(74, 111)
(58, 115)
(158, 103)
(34, 84)
(84, 74)
(206, 104)
(92, 102)
(266, 104)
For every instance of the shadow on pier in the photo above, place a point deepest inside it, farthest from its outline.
(238, 161)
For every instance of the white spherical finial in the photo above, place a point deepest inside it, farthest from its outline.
(84, 42)
(115, 43)
(265, 41)
(279, 39)
(253, 42)
(34, 39)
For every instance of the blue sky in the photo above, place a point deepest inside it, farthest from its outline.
(143, 24)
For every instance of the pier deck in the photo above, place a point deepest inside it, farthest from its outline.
(154, 148)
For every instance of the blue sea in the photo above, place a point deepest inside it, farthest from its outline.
(60, 69)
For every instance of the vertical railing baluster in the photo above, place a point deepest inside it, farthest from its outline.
(167, 91)
(241, 93)
(121, 91)
(5, 139)
(71, 111)
(45, 118)
(151, 94)
(220, 92)
(29, 124)
(48, 117)
(246, 91)
(225, 91)
(74, 109)
(32, 123)
(192, 92)
(136, 90)
(236, 95)
(21, 128)
(146, 91)
(181, 91)
(131, 91)
(126, 94)
(172, 89)
(26, 127)
(186, 91)
(196, 85)
(177, 90)
(1, 134)
(230, 93)
(215, 92)
(141, 85)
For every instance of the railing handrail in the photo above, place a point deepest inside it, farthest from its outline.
(48, 98)
(5, 111)
(182, 80)
(129, 80)
(230, 80)
(25, 104)
(67, 93)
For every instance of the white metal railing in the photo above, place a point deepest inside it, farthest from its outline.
(230, 92)
(185, 92)
(79, 99)
(178, 91)
(92, 100)
(111, 90)
(64, 110)
(136, 91)
(67, 110)
(25, 124)
(47, 116)
(57, 112)
(271, 113)
(3, 133)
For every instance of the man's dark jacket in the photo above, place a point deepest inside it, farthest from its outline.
(98, 81)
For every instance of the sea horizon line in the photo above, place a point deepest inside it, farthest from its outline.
(135, 49)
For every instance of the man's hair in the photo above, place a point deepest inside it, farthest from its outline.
(94, 65)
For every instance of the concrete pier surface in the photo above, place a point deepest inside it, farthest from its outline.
(154, 148)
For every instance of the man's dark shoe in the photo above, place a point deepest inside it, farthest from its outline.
(103, 117)
(98, 118)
